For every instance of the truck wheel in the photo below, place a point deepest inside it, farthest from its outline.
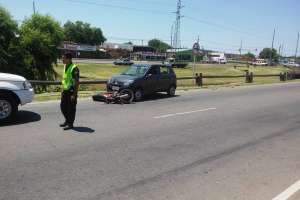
(8, 108)
(138, 95)
(172, 90)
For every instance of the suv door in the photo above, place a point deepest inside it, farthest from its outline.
(151, 80)
(165, 78)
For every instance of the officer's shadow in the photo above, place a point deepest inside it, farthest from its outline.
(83, 130)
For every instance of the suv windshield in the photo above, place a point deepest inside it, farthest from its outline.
(136, 70)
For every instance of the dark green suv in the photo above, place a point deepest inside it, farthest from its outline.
(144, 79)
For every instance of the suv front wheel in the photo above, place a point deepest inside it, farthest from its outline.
(171, 91)
(8, 107)
(138, 95)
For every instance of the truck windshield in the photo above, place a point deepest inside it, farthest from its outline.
(136, 70)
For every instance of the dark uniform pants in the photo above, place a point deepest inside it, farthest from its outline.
(68, 107)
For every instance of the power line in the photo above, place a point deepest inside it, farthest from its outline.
(222, 46)
(168, 13)
(219, 44)
(227, 28)
(147, 2)
(119, 7)
(164, 13)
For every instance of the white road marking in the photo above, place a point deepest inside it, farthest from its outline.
(183, 113)
(285, 195)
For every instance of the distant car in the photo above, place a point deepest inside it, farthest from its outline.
(123, 62)
(176, 63)
(260, 62)
(218, 58)
(143, 79)
(14, 91)
(291, 64)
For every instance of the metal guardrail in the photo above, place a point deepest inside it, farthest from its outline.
(33, 82)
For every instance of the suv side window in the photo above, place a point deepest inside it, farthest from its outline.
(155, 70)
(164, 70)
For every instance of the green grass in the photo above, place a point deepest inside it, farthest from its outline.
(95, 71)
(105, 71)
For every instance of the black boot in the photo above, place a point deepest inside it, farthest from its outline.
(69, 127)
(63, 124)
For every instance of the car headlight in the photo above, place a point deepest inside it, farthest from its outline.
(127, 83)
(109, 81)
(27, 85)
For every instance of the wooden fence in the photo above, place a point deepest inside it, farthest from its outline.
(199, 78)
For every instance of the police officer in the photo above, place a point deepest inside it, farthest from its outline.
(70, 84)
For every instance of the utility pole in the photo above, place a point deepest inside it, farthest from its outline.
(195, 54)
(271, 56)
(172, 27)
(33, 5)
(279, 50)
(240, 50)
(177, 42)
(282, 50)
(297, 48)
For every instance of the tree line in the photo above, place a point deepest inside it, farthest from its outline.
(30, 48)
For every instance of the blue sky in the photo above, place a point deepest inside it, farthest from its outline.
(220, 24)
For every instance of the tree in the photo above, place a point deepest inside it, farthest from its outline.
(158, 45)
(12, 57)
(249, 55)
(83, 33)
(267, 53)
(187, 55)
(8, 31)
(40, 35)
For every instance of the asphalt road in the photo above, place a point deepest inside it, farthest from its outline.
(225, 144)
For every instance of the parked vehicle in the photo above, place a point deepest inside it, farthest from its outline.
(260, 62)
(219, 58)
(291, 64)
(176, 63)
(125, 61)
(14, 91)
(144, 79)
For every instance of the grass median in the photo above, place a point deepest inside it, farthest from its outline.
(104, 71)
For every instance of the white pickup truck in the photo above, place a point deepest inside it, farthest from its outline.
(14, 91)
